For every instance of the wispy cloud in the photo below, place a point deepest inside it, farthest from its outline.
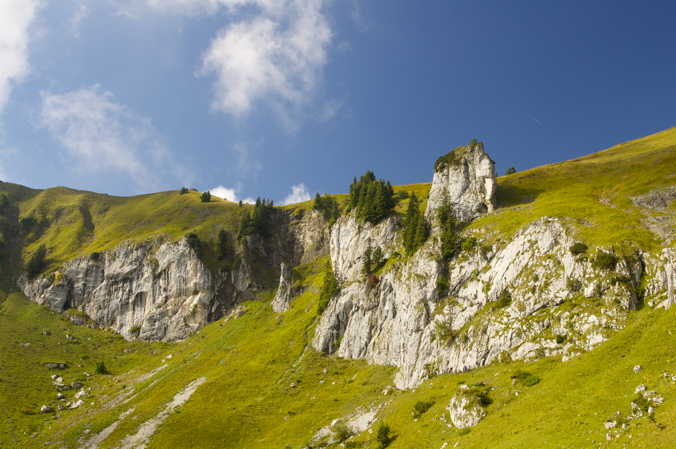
(16, 17)
(101, 135)
(246, 165)
(275, 56)
(229, 194)
(80, 14)
(299, 193)
(532, 117)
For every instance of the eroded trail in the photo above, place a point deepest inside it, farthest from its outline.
(93, 442)
(148, 428)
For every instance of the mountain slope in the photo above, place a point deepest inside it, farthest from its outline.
(252, 378)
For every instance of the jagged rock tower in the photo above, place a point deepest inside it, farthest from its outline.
(466, 177)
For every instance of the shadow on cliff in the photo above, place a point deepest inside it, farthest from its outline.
(509, 195)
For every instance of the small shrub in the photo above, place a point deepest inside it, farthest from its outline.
(525, 378)
(560, 339)
(483, 398)
(442, 285)
(101, 368)
(605, 261)
(578, 248)
(135, 331)
(504, 300)
(445, 333)
(184, 190)
(573, 285)
(421, 407)
(95, 257)
(342, 432)
(510, 171)
(206, 197)
(194, 243)
(468, 244)
(384, 436)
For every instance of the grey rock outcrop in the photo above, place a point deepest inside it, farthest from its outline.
(464, 409)
(282, 300)
(150, 290)
(158, 290)
(406, 321)
(466, 177)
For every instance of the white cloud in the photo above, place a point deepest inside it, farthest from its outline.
(102, 135)
(277, 55)
(229, 194)
(81, 13)
(246, 166)
(330, 110)
(16, 17)
(299, 193)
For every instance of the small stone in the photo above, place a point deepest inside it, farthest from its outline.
(76, 404)
(56, 365)
(46, 409)
(639, 389)
(610, 424)
(169, 357)
(637, 369)
(60, 396)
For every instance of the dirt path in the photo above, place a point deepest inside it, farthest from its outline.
(148, 428)
(93, 442)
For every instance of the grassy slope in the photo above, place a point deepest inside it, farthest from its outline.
(84, 222)
(25, 382)
(251, 362)
(592, 192)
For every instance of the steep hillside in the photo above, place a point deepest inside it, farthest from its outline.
(533, 313)
(264, 387)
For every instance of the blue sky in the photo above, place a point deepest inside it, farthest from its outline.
(284, 98)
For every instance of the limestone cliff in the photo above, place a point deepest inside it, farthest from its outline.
(521, 297)
(159, 290)
(466, 178)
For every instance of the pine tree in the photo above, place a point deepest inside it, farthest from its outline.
(449, 238)
(222, 245)
(421, 232)
(366, 263)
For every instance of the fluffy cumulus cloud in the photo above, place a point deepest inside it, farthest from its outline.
(229, 194)
(299, 193)
(274, 51)
(102, 135)
(16, 17)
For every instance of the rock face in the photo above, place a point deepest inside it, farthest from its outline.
(466, 177)
(519, 298)
(162, 290)
(282, 299)
(147, 290)
(523, 299)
